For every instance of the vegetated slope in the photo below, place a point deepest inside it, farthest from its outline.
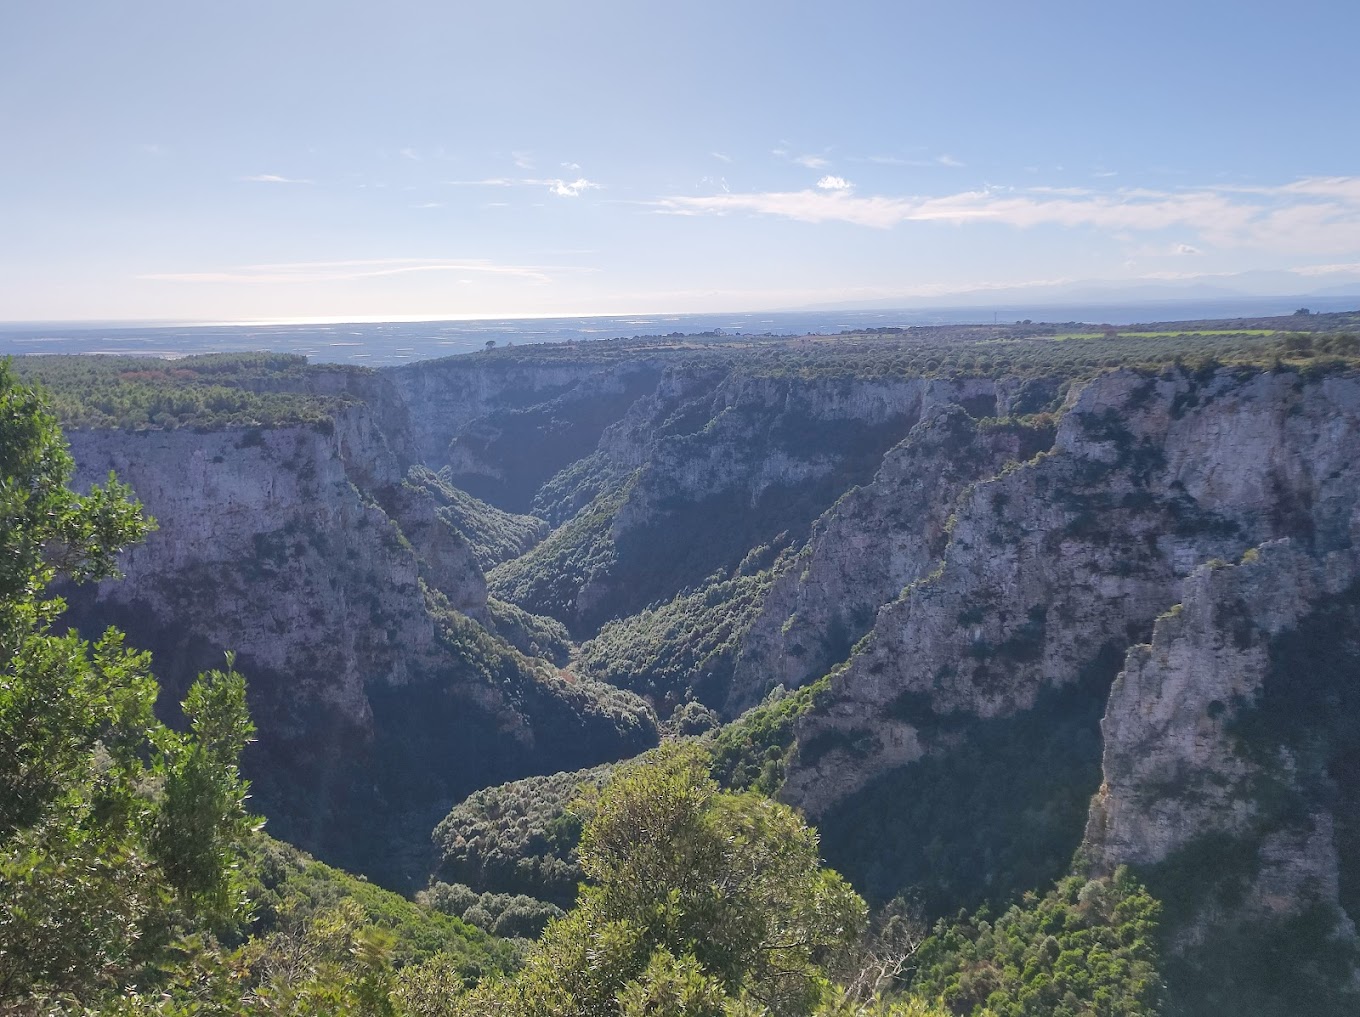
(896, 509)
(494, 535)
(384, 682)
(754, 460)
(955, 753)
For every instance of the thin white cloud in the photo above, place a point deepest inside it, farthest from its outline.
(273, 178)
(812, 162)
(1314, 215)
(720, 157)
(571, 189)
(410, 153)
(1186, 249)
(429, 204)
(1312, 270)
(945, 160)
(344, 271)
(523, 160)
(555, 185)
(485, 182)
(830, 183)
(572, 167)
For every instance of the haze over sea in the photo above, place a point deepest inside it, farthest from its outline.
(389, 343)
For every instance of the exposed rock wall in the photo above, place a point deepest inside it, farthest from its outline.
(704, 469)
(872, 543)
(1052, 560)
(1174, 766)
(378, 696)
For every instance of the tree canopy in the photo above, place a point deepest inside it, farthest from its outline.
(117, 834)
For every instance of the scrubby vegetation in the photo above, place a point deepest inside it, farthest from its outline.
(518, 838)
(1069, 350)
(685, 648)
(494, 535)
(287, 890)
(998, 810)
(132, 879)
(1086, 947)
(211, 391)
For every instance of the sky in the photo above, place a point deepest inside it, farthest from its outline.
(293, 159)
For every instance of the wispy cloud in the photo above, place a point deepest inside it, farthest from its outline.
(720, 157)
(570, 189)
(830, 183)
(410, 153)
(1314, 215)
(555, 185)
(1311, 270)
(344, 271)
(273, 178)
(486, 182)
(917, 162)
(813, 162)
(523, 160)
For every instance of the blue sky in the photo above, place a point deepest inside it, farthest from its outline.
(298, 158)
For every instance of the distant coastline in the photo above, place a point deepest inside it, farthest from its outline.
(381, 344)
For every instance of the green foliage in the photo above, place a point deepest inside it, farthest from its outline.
(117, 834)
(1086, 949)
(752, 750)
(46, 529)
(518, 838)
(509, 915)
(213, 391)
(686, 647)
(1038, 352)
(493, 534)
(700, 902)
(533, 635)
(999, 808)
(548, 578)
(287, 888)
(1302, 733)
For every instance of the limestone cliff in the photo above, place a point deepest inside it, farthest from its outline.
(379, 695)
(1080, 549)
(872, 543)
(702, 470)
(1176, 767)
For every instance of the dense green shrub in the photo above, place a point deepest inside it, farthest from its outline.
(493, 534)
(212, 391)
(1088, 947)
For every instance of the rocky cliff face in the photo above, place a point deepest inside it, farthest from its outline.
(980, 591)
(379, 693)
(702, 470)
(1082, 548)
(503, 427)
(875, 541)
(1176, 769)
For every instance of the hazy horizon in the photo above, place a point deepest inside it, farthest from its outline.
(346, 161)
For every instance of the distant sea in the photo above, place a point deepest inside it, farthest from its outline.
(388, 343)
